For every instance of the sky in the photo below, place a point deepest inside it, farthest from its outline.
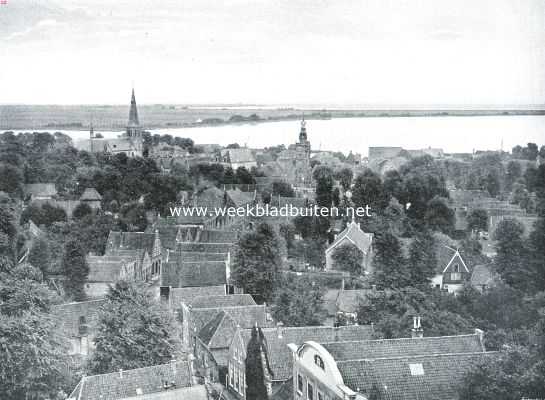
(315, 52)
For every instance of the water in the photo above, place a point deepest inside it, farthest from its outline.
(452, 134)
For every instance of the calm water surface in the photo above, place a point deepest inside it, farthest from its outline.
(453, 134)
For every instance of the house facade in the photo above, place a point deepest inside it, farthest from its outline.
(355, 236)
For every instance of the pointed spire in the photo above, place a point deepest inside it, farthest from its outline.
(133, 112)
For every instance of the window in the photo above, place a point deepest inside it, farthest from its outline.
(319, 362)
(456, 267)
(455, 276)
(299, 383)
(310, 391)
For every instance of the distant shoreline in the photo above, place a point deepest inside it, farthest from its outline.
(164, 117)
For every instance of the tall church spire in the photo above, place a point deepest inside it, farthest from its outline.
(133, 113)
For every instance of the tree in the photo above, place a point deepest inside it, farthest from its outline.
(33, 352)
(40, 255)
(511, 254)
(514, 374)
(298, 302)
(324, 185)
(282, 188)
(255, 366)
(345, 176)
(244, 177)
(133, 331)
(81, 210)
(349, 258)
(75, 269)
(514, 172)
(368, 189)
(11, 179)
(257, 262)
(477, 220)
(390, 266)
(439, 216)
(422, 258)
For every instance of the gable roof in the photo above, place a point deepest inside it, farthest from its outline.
(40, 189)
(219, 332)
(107, 268)
(240, 198)
(187, 294)
(280, 356)
(245, 316)
(421, 377)
(130, 241)
(356, 236)
(404, 347)
(456, 257)
(90, 194)
(179, 273)
(226, 300)
(68, 315)
(197, 392)
(119, 385)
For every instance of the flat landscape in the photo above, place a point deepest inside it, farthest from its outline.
(157, 116)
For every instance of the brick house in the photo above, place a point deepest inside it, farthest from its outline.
(352, 235)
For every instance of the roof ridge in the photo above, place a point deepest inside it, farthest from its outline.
(77, 302)
(417, 356)
(404, 338)
(137, 369)
(227, 307)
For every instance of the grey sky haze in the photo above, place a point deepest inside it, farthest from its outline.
(434, 52)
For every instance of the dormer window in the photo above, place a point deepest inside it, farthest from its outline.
(319, 362)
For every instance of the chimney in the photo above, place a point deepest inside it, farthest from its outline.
(280, 329)
(417, 332)
(120, 373)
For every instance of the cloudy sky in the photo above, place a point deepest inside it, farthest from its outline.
(358, 52)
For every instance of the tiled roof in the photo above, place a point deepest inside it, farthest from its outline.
(40, 189)
(241, 155)
(186, 295)
(404, 347)
(120, 385)
(198, 273)
(280, 356)
(188, 393)
(422, 377)
(91, 194)
(279, 201)
(482, 275)
(354, 333)
(356, 236)
(240, 198)
(130, 241)
(171, 234)
(189, 256)
(204, 247)
(106, 268)
(219, 332)
(245, 316)
(69, 314)
(210, 197)
(227, 300)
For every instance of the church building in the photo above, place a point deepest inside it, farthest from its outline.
(130, 142)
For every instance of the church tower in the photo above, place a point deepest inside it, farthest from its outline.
(303, 132)
(133, 127)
